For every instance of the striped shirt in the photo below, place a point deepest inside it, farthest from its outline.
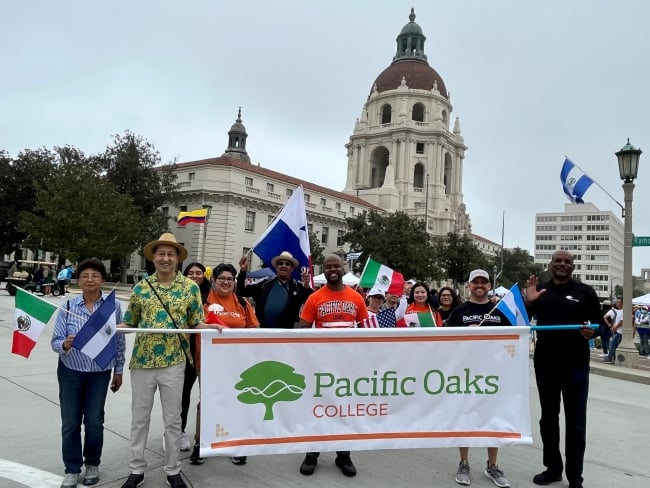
(70, 323)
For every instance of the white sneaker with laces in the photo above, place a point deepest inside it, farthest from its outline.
(185, 442)
(462, 474)
(495, 474)
(69, 480)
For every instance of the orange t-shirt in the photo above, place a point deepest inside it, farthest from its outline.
(332, 309)
(230, 312)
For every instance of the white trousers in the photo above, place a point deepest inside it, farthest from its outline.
(144, 382)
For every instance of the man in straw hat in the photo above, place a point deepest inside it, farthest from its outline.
(165, 300)
(277, 300)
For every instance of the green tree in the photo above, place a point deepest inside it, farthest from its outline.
(135, 169)
(518, 265)
(270, 382)
(316, 249)
(457, 255)
(20, 179)
(78, 214)
(394, 240)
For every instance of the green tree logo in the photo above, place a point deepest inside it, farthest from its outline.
(269, 382)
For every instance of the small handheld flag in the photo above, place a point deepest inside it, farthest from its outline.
(96, 338)
(513, 307)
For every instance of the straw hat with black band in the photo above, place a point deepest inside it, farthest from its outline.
(167, 239)
(287, 256)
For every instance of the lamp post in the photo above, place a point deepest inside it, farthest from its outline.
(628, 168)
(494, 278)
(205, 231)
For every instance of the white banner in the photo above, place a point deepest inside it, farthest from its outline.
(266, 391)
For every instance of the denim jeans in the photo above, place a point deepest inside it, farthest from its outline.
(644, 347)
(82, 396)
(613, 344)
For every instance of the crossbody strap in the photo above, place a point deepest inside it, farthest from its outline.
(182, 343)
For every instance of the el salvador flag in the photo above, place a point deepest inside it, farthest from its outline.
(574, 182)
(287, 232)
(96, 338)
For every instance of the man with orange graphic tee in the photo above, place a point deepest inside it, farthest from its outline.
(332, 306)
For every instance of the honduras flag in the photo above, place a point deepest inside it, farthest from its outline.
(574, 182)
(513, 307)
(96, 338)
(287, 232)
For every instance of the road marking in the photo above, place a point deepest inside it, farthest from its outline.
(28, 475)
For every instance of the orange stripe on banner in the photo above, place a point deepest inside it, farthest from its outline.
(334, 340)
(361, 437)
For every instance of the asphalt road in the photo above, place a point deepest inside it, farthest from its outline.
(618, 439)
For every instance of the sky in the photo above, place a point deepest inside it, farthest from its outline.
(532, 82)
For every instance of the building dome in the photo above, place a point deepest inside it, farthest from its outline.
(417, 74)
(410, 63)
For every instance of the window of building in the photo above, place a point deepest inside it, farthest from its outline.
(323, 202)
(307, 197)
(248, 181)
(270, 187)
(339, 237)
(352, 210)
(249, 225)
(418, 112)
(289, 192)
(419, 148)
(386, 112)
(183, 208)
(310, 228)
(324, 235)
(191, 176)
(338, 205)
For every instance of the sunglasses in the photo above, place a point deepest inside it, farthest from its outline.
(285, 263)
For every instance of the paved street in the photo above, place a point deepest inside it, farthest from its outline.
(618, 440)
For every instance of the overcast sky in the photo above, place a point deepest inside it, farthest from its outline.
(531, 83)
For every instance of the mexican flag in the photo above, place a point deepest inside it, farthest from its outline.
(32, 315)
(420, 319)
(376, 275)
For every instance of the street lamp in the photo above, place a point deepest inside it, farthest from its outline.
(205, 230)
(628, 168)
(494, 277)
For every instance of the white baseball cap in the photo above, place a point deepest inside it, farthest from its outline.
(478, 273)
(377, 291)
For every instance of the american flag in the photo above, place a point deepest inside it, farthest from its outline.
(384, 319)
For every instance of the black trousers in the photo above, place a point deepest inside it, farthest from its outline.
(570, 384)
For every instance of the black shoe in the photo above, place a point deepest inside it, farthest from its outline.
(239, 460)
(195, 457)
(175, 481)
(133, 481)
(344, 462)
(308, 466)
(575, 484)
(547, 477)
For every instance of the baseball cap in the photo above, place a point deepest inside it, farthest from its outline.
(478, 273)
(377, 291)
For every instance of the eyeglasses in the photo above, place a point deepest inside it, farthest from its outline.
(225, 279)
(445, 296)
(285, 263)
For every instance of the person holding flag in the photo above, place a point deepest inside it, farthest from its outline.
(83, 383)
(478, 310)
(419, 312)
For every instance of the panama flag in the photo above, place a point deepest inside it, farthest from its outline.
(32, 315)
(194, 217)
(420, 319)
(376, 275)
(513, 307)
(574, 182)
(96, 339)
(287, 232)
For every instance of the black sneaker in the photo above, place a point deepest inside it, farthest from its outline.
(175, 481)
(344, 462)
(547, 477)
(195, 457)
(133, 481)
(308, 466)
(239, 460)
(575, 484)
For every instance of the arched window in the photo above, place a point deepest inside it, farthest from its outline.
(448, 176)
(378, 164)
(445, 118)
(418, 176)
(418, 112)
(386, 113)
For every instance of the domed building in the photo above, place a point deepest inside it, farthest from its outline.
(403, 156)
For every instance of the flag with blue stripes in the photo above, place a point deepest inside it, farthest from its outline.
(513, 307)
(97, 339)
(574, 182)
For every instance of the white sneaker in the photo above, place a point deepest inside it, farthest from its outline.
(69, 480)
(185, 442)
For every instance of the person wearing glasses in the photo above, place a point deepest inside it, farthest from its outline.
(234, 312)
(277, 300)
(448, 301)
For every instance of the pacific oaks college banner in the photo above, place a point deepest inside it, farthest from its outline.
(277, 391)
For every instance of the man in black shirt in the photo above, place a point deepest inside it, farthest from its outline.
(477, 311)
(562, 365)
(277, 300)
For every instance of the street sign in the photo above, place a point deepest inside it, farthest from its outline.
(641, 241)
